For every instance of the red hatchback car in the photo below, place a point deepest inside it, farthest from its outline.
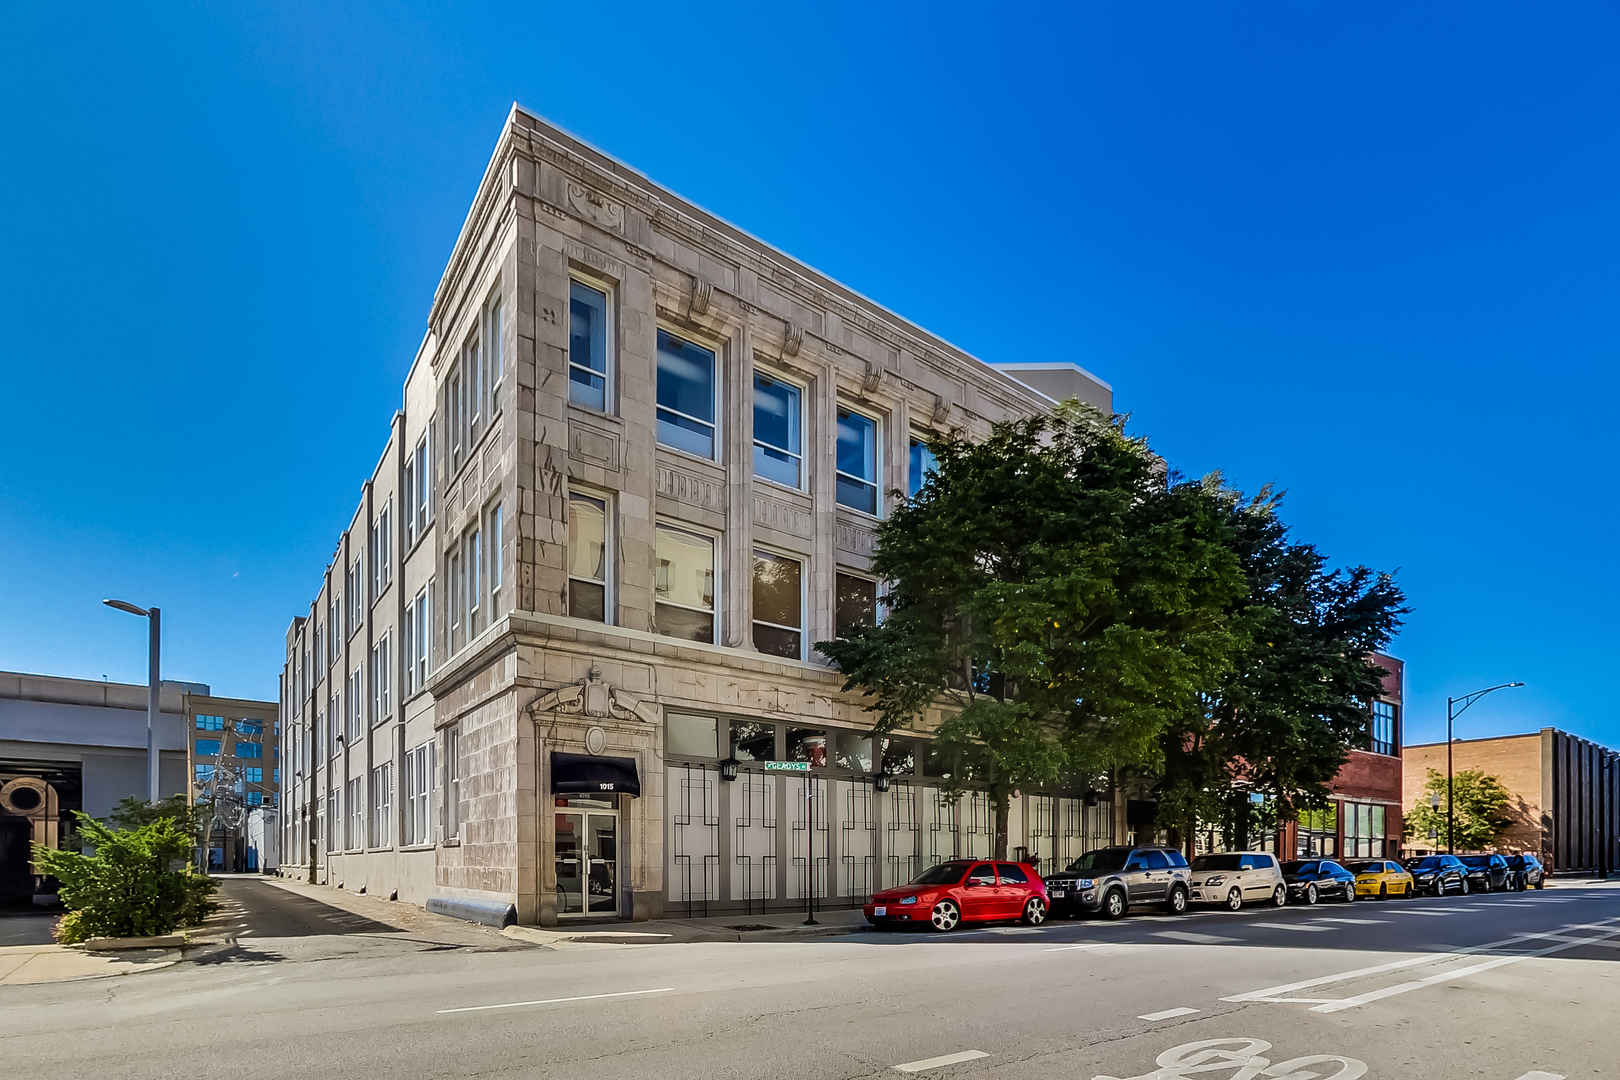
(951, 893)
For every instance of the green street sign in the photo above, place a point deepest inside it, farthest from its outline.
(787, 766)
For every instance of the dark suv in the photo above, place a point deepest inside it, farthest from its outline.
(1488, 873)
(1111, 879)
(1437, 873)
(1527, 871)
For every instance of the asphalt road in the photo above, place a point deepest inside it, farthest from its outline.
(1501, 986)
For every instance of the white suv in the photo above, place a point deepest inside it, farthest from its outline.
(1233, 878)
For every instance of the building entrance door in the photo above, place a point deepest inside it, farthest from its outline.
(587, 858)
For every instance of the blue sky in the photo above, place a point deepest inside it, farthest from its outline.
(1366, 253)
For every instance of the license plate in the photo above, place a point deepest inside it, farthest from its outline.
(1057, 893)
(880, 910)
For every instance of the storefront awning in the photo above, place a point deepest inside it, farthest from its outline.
(588, 774)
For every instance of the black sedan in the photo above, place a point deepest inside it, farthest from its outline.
(1438, 874)
(1527, 871)
(1488, 873)
(1309, 880)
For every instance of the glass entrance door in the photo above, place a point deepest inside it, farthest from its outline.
(587, 857)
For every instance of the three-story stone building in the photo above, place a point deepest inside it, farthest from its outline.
(635, 478)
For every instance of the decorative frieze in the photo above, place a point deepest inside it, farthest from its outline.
(596, 207)
(693, 490)
(855, 540)
(782, 516)
(591, 444)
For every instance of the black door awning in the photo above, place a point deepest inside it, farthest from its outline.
(588, 774)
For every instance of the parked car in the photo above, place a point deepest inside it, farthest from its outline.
(1487, 873)
(1309, 880)
(1111, 879)
(1438, 873)
(1233, 877)
(1528, 872)
(1382, 878)
(952, 893)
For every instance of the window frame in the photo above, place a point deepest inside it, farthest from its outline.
(804, 580)
(609, 342)
(876, 483)
(716, 569)
(914, 482)
(606, 499)
(877, 595)
(716, 398)
(802, 392)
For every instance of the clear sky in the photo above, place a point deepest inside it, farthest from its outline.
(1367, 252)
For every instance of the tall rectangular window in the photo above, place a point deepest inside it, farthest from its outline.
(684, 585)
(357, 681)
(587, 346)
(495, 327)
(778, 605)
(457, 410)
(416, 643)
(777, 448)
(452, 783)
(382, 552)
(357, 603)
(1383, 727)
(453, 601)
(382, 805)
(418, 492)
(473, 389)
(857, 462)
(686, 405)
(587, 557)
(492, 564)
(418, 795)
(355, 831)
(922, 463)
(856, 603)
(472, 565)
(334, 621)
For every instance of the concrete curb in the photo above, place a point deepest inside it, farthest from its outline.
(108, 944)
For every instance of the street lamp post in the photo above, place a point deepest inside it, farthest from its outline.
(155, 635)
(1452, 712)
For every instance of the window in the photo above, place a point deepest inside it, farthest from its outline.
(455, 406)
(1318, 832)
(334, 620)
(1011, 874)
(202, 774)
(210, 723)
(208, 748)
(686, 405)
(587, 557)
(857, 462)
(416, 643)
(382, 561)
(808, 745)
(753, 741)
(691, 736)
(1364, 830)
(418, 795)
(492, 562)
(856, 603)
(255, 798)
(922, 463)
(472, 390)
(356, 604)
(275, 776)
(356, 836)
(778, 605)
(587, 346)
(495, 327)
(253, 774)
(1383, 727)
(418, 487)
(684, 585)
(1156, 859)
(382, 804)
(250, 750)
(356, 695)
(328, 812)
(776, 431)
(250, 727)
(380, 671)
(472, 565)
(452, 783)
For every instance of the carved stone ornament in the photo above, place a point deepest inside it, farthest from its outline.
(873, 378)
(702, 293)
(595, 740)
(594, 698)
(942, 409)
(792, 341)
(597, 207)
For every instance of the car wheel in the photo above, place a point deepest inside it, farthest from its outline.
(1234, 899)
(1035, 911)
(1113, 905)
(945, 917)
(1349, 892)
(1311, 895)
(1280, 896)
(1176, 902)
(1542, 884)
(1383, 890)
(1462, 887)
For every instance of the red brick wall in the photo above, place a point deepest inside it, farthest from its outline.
(1369, 776)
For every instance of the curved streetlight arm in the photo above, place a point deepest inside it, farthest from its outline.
(1468, 699)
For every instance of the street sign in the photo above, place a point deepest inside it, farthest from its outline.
(787, 766)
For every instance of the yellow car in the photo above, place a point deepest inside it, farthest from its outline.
(1382, 878)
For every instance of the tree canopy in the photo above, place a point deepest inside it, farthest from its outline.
(1478, 821)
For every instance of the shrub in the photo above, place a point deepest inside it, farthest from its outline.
(137, 884)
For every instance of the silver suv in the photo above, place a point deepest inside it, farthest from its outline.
(1111, 879)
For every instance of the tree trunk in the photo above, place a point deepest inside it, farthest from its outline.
(1003, 804)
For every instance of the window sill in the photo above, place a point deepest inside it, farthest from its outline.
(875, 518)
(712, 462)
(779, 486)
(415, 847)
(454, 841)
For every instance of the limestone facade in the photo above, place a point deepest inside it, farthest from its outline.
(458, 640)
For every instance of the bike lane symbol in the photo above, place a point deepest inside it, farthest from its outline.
(1243, 1059)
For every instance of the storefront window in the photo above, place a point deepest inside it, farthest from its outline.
(1364, 831)
(753, 742)
(807, 744)
(899, 757)
(854, 752)
(692, 736)
(1318, 833)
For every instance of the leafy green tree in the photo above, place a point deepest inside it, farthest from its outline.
(136, 884)
(1281, 719)
(1479, 821)
(1050, 601)
(192, 819)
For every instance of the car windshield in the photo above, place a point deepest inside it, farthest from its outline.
(1475, 860)
(1111, 858)
(1299, 868)
(1365, 867)
(1218, 862)
(944, 874)
(1432, 862)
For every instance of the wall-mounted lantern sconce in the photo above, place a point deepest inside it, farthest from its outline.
(728, 769)
(881, 781)
(1093, 796)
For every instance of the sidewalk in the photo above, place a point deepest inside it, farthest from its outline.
(21, 964)
(776, 926)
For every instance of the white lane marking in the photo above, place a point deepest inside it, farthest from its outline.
(1457, 973)
(1196, 939)
(1166, 1014)
(1301, 927)
(1087, 945)
(559, 1001)
(1431, 914)
(1354, 922)
(1015, 930)
(1537, 1074)
(936, 1062)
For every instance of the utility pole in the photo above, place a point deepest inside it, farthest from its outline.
(1452, 712)
(154, 619)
